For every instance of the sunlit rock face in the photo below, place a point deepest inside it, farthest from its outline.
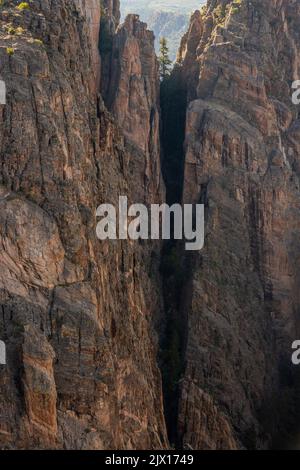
(81, 318)
(133, 96)
(242, 160)
(77, 314)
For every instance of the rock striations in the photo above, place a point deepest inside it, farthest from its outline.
(76, 314)
(242, 160)
(83, 320)
(91, 11)
(133, 98)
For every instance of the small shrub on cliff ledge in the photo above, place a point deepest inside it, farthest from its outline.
(236, 6)
(23, 6)
(20, 30)
(38, 41)
(203, 10)
(10, 51)
(220, 13)
(11, 30)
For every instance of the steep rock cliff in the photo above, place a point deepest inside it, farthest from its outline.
(133, 98)
(77, 313)
(242, 161)
(91, 11)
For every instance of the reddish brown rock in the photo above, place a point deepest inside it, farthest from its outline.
(77, 314)
(91, 11)
(39, 386)
(241, 160)
(112, 10)
(133, 98)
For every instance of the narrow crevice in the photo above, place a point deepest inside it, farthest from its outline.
(173, 335)
(106, 41)
(173, 100)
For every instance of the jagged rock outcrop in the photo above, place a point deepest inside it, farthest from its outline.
(77, 314)
(91, 11)
(110, 19)
(242, 160)
(187, 52)
(133, 98)
(112, 10)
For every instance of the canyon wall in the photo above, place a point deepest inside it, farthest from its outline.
(242, 161)
(133, 98)
(109, 343)
(77, 314)
(91, 11)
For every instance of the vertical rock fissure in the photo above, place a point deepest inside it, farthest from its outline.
(172, 341)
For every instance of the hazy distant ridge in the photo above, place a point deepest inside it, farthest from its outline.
(169, 18)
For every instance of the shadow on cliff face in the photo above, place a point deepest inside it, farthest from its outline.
(173, 114)
(172, 267)
(177, 270)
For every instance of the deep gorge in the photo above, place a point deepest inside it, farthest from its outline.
(173, 263)
(122, 345)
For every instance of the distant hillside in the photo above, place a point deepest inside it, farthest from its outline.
(177, 6)
(171, 25)
(169, 18)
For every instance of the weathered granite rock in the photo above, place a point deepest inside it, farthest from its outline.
(77, 314)
(112, 10)
(242, 161)
(91, 11)
(110, 19)
(133, 98)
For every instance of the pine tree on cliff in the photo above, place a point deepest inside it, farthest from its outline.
(164, 59)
